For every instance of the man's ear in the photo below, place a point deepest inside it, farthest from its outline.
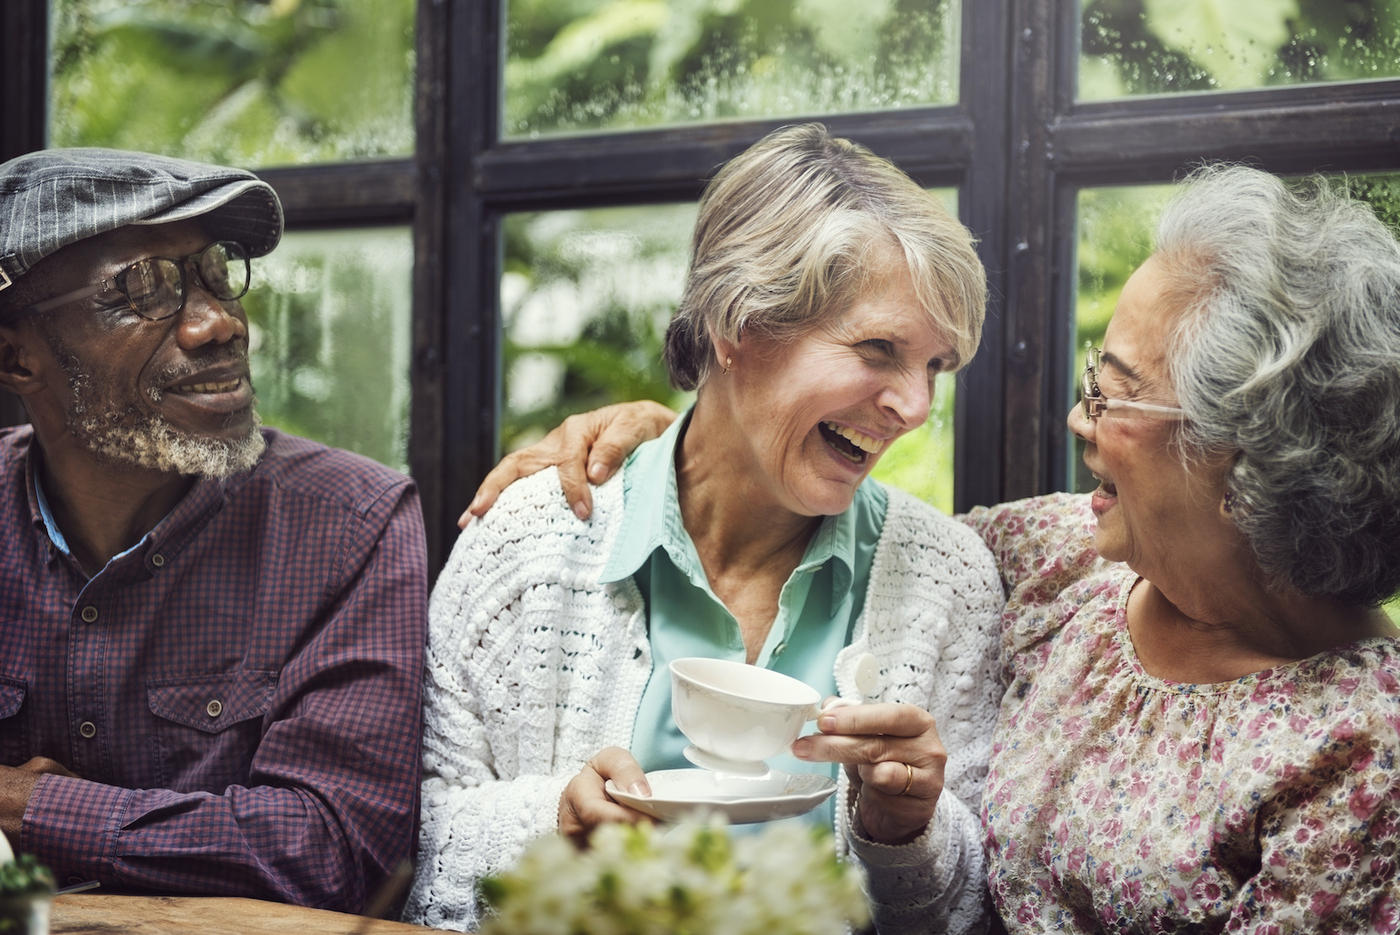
(20, 369)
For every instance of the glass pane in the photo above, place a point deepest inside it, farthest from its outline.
(587, 65)
(1130, 47)
(330, 316)
(585, 300)
(241, 82)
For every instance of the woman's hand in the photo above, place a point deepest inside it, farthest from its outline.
(894, 759)
(584, 805)
(602, 438)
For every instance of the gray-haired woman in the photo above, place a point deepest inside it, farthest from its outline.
(1202, 725)
(826, 292)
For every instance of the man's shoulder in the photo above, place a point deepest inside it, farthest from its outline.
(310, 469)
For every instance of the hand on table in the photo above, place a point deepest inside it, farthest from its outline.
(585, 805)
(17, 785)
(894, 759)
(602, 439)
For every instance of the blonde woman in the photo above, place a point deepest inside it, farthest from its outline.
(826, 292)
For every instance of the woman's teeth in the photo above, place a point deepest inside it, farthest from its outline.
(863, 442)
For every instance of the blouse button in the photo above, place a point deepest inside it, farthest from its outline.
(214, 708)
(88, 729)
(89, 614)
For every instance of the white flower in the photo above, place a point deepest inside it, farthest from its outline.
(691, 880)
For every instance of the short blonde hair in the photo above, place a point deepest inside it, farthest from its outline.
(793, 231)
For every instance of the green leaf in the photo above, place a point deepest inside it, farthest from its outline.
(1236, 42)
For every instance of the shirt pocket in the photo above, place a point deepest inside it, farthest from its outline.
(208, 728)
(14, 740)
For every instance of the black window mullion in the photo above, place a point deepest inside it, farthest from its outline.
(24, 70)
(979, 414)
(469, 352)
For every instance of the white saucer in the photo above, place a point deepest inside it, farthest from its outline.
(755, 768)
(678, 793)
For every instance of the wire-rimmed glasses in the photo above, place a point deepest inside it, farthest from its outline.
(1096, 404)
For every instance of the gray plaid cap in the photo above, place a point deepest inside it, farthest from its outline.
(57, 197)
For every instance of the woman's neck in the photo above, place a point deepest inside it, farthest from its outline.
(1238, 627)
(747, 542)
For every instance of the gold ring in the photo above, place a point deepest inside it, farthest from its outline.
(908, 783)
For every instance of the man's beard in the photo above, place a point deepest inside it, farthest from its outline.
(128, 438)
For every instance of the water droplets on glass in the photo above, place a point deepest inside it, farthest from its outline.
(614, 64)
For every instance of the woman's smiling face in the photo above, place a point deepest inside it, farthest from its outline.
(1154, 510)
(815, 412)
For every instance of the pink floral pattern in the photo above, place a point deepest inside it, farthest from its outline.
(1120, 802)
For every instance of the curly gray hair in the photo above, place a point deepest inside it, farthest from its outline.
(797, 228)
(1290, 356)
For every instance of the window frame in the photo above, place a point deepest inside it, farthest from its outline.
(1016, 145)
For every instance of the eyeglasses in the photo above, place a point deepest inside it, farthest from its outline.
(155, 288)
(1096, 404)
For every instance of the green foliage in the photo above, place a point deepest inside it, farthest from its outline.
(1170, 46)
(25, 875)
(330, 323)
(242, 83)
(590, 64)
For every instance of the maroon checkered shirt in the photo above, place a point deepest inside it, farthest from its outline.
(240, 692)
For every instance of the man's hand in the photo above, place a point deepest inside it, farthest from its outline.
(585, 805)
(16, 786)
(602, 439)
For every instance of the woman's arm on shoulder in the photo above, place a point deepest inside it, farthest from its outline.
(601, 439)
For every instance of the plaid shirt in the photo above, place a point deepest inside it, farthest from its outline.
(240, 691)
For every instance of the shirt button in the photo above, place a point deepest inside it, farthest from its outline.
(214, 708)
(89, 614)
(778, 650)
(157, 560)
(88, 729)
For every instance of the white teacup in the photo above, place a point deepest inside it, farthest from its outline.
(735, 715)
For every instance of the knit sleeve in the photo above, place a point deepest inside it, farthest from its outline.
(933, 615)
(530, 669)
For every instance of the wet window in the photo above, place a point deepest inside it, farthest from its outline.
(330, 325)
(1131, 47)
(616, 64)
(237, 82)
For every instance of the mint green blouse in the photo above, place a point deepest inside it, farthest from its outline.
(817, 608)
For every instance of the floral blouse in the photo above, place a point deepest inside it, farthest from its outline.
(1120, 802)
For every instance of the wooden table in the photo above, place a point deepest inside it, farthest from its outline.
(97, 914)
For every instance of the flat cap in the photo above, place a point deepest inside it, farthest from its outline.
(57, 197)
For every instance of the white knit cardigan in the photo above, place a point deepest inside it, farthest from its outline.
(533, 667)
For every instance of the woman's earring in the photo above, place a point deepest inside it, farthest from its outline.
(1229, 504)
(728, 362)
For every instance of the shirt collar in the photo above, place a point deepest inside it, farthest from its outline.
(651, 519)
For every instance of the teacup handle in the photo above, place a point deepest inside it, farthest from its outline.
(831, 703)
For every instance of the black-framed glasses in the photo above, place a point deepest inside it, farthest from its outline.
(1096, 404)
(155, 288)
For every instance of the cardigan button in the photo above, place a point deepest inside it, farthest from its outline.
(867, 675)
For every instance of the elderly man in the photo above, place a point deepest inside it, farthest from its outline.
(211, 633)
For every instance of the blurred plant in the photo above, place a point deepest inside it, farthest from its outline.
(592, 64)
(241, 82)
(692, 880)
(1170, 46)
